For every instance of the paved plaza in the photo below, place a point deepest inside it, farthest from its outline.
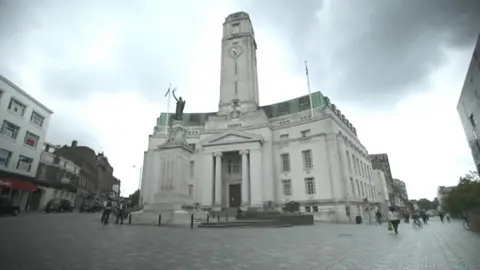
(79, 241)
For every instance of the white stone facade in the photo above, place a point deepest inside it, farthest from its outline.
(381, 187)
(252, 156)
(23, 127)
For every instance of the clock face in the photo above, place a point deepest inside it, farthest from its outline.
(235, 51)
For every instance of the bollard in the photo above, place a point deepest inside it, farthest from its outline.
(160, 220)
(208, 218)
(130, 219)
(226, 216)
(191, 222)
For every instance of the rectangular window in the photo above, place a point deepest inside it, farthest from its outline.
(358, 187)
(16, 107)
(235, 28)
(192, 146)
(24, 163)
(233, 166)
(31, 139)
(363, 189)
(287, 187)
(315, 208)
(305, 133)
(285, 162)
(283, 109)
(190, 190)
(10, 130)
(307, 159)
(310, 185)
(354, 163)
(349, 162)
(5, 156)
(353, 186)
(284, 137)
(192, 169)
(358, 166)
(37, 119)
(304, 103)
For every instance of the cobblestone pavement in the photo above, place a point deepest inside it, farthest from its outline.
(79, 241)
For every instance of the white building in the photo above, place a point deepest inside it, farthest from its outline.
(252, 156)
(23, 126)
(381, 188)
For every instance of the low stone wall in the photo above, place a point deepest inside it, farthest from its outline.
(294, 219)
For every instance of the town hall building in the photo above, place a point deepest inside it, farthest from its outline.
(254, 156)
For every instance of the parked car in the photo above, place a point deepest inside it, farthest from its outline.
(90, 206)
(7, 206)
(58, 205)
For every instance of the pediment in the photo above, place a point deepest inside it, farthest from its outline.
(230, 137)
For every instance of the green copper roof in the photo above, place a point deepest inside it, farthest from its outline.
(274, 110)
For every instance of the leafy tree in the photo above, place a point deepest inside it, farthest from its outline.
(435, 203)
(134, 197)
(425, 204)
(465, 196)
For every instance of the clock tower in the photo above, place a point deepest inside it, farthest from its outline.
(238, 78)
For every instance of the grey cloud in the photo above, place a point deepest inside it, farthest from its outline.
(56, 32)
(62, 130)
(384, 49)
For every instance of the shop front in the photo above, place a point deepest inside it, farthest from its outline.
(18, 190)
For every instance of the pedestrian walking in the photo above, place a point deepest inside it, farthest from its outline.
(107, 209)
(393, 218)
(441, 215)
(378, 215)
(121, 212)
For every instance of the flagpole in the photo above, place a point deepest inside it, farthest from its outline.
(168, 108)
(309, 90)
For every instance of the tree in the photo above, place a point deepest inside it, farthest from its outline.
(435, 203)
(465, 196)
(426, 204)
(134, 197)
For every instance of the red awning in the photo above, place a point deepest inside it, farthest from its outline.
(15, 184)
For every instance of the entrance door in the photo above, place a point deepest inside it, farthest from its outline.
(235, 195)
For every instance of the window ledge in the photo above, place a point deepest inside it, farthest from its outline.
(14, 113)
(8, 138)
(30, 147)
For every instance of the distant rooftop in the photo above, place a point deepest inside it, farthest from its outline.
(272, 111)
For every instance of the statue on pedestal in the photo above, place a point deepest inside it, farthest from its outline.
(179, 108)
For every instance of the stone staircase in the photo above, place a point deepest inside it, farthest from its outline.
(244, 224)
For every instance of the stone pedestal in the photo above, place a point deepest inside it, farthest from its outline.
(172, 192)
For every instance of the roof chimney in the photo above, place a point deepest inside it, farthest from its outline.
(74, 143)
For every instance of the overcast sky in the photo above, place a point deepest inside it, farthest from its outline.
(394, 68)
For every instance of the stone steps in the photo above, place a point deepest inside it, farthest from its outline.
(244, 224)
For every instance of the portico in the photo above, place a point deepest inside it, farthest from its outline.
(236, 177)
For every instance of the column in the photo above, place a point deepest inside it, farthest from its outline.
(205, 179)
(218, 179)
(256, 178)
(245, 187)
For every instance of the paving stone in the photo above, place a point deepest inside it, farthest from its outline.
(80, 241)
